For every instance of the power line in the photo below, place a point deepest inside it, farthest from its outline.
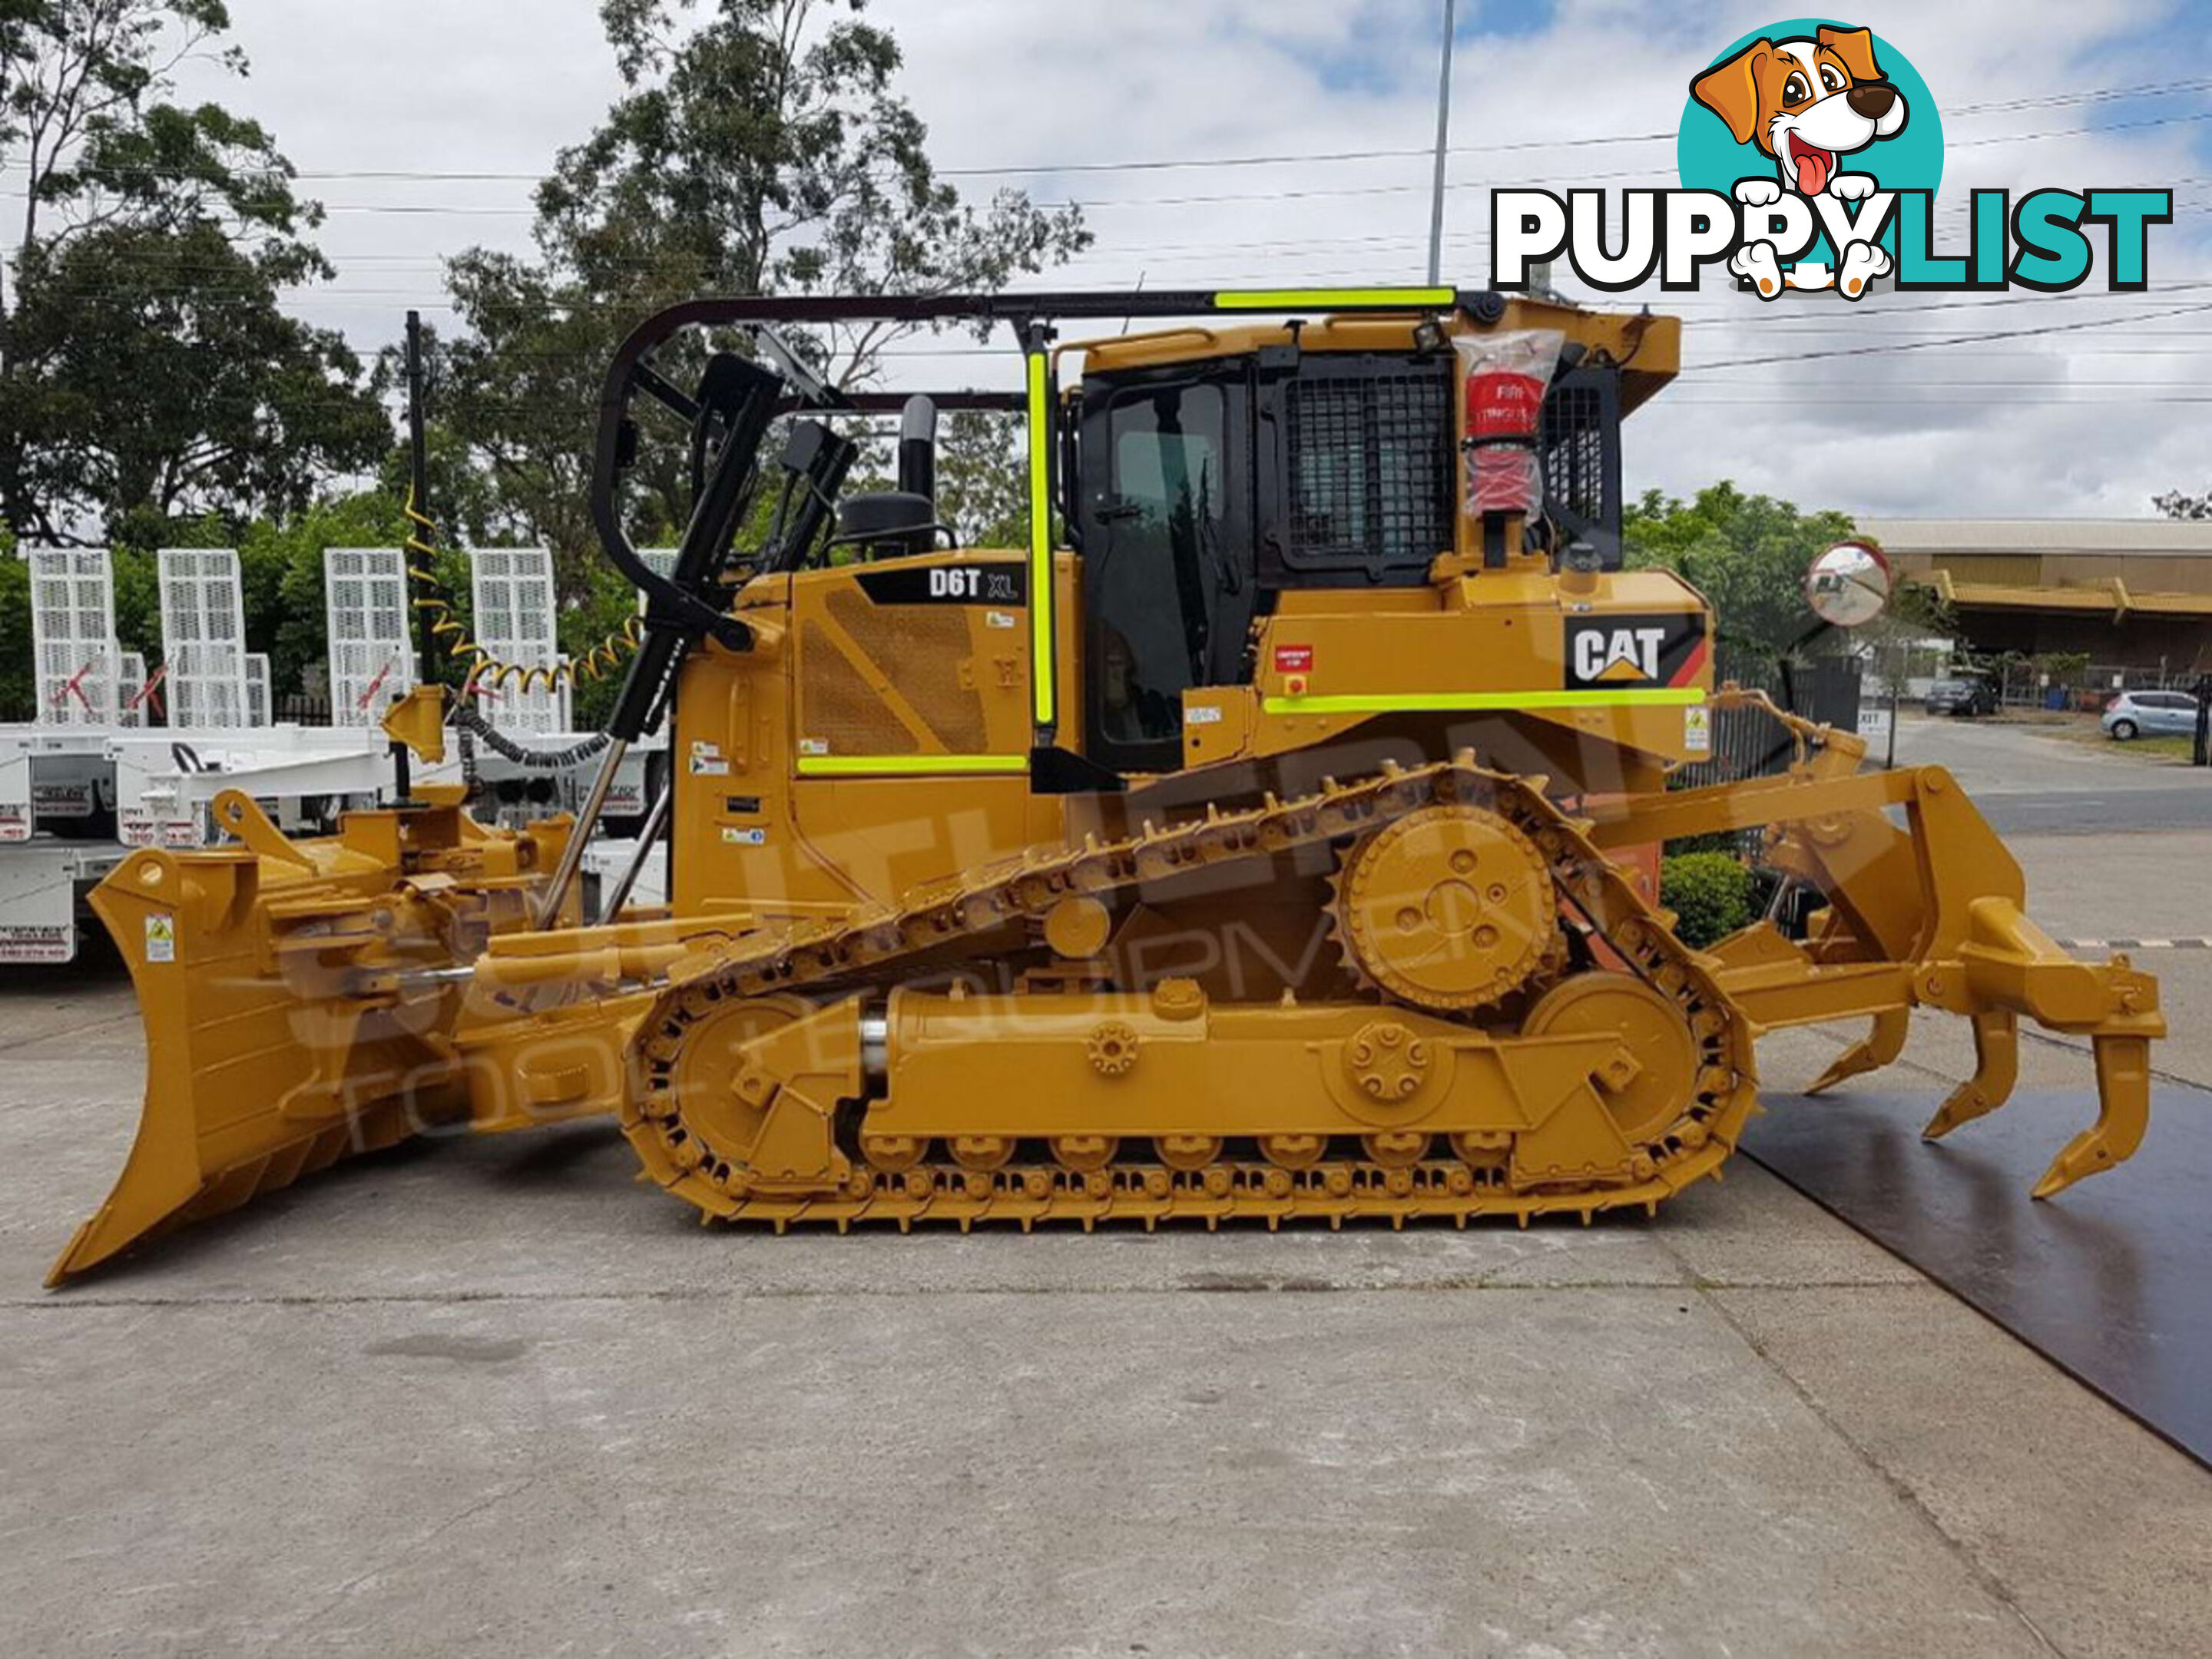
(1954, 210)
(2076, 132)
(1874, 350)
(1875, 313)
(2052, 100)
(1327, 192)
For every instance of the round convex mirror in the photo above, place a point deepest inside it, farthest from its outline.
(1848, 584)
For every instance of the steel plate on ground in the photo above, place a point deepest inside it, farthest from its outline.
(2109, 1279)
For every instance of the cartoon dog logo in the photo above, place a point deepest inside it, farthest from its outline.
(1807, 103)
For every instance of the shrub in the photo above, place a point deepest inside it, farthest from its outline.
(1710, 893)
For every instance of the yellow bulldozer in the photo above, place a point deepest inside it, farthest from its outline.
(1270, 839)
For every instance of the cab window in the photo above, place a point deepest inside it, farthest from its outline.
(1158, 554)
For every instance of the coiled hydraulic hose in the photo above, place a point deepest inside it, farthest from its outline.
(485, 670)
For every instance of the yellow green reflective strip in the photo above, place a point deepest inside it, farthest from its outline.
(1041, 594)
(856, 766)
(1664, 696)
(1318, 299)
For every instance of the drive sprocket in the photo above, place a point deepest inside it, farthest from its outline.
(1449, 908)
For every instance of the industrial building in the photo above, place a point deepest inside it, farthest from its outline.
(2134, 594)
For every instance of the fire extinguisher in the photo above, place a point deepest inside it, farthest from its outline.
(1506, 377)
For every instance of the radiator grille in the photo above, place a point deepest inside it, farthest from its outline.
(920, 649)
(1371, 467)
(836, 707)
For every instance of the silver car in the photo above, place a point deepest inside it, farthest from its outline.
(2150, 714)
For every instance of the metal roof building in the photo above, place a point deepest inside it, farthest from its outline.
(2134, 593)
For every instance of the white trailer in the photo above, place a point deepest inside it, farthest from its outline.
(516, 620)
(93, 778)
(73, 637)
(203, 637)
(372, 652)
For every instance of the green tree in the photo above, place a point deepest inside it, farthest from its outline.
(147, 374)
(2065, 668)
(760, 148)
(2185, 504)
(1708, 892)
(983, 478)
(982, 475)
(1747, 555)
(19, 682)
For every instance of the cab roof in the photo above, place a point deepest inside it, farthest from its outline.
(1647, 347)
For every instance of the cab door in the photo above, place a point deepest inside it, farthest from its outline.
(1168, 589)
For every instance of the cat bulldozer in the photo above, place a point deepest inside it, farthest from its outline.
(1271, 838)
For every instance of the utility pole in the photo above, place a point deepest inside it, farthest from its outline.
(1896, 691)
(1444, 142)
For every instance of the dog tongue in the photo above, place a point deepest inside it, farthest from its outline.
(1812, 171)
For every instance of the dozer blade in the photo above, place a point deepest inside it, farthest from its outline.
(249, 1085)
(288, 1024)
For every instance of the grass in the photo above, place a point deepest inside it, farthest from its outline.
(2166, 749)
(2180, 749)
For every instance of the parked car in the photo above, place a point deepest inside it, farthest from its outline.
(1962, 696)
(2150, 714)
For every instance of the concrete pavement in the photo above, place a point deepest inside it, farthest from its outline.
(412, 1437)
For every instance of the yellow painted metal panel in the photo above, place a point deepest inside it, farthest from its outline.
(2106, 599)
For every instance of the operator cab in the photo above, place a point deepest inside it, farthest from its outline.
(1202, 489)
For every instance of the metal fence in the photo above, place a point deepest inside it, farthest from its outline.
(1746, 744)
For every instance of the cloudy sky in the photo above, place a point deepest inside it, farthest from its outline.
(2091, 420)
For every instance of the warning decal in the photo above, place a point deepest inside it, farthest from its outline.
(1698, 730)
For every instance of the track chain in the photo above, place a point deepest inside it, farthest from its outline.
(822, 961)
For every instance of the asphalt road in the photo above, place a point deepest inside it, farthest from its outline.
(2032, 779)
(2060, 812)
